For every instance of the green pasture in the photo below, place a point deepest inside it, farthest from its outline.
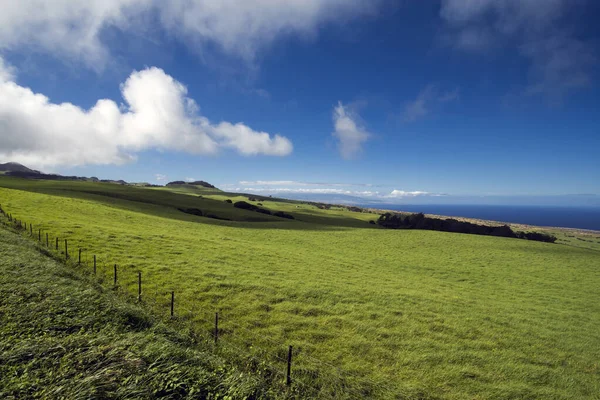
(372, 313)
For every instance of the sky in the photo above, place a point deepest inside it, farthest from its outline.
(391, 101)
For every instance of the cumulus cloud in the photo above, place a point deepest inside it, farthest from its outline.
(157, 114)
(427, 98)
(160, 177)
(349, 134)
(74, 28)
(559, 61)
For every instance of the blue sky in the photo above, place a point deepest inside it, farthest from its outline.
(392, 101)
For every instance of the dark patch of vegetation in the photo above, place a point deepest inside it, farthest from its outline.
(192, 211)
(282, 214)
(252, 198)
(200, 213)
(213, 216)
(354, 209)
(538, 236)
(372, 222)
(251, 207)
(228, 201)
(420, 221)
(322, 206)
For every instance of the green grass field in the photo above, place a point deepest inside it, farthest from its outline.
(373, 313)
(63, 337)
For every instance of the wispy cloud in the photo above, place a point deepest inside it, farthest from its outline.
(428, 98)
(160, 177)
(74, 29)
(560, 62)
(397, 194)
(297, 183)
(189, 179)
(348, 131)
(361, 193)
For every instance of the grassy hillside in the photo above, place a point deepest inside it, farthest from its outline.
(62, 336)
(370, 312)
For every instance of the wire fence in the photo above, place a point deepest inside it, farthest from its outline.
(293, 369)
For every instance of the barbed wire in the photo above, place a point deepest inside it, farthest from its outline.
(152, 299)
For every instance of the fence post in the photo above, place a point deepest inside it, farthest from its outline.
(79, 258)
(47, 240)
(30, 229)
(288, 380)
(139, 286)
(40, 235)
(172, 304)
(57, 243)
(66, 250)
(115, 283)
(94, 264)
(216, 327)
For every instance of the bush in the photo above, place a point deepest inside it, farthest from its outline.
(228, 201)
(282, 214)
(420, 221)
(251, 207)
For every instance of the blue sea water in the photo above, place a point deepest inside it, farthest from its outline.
(567, 217)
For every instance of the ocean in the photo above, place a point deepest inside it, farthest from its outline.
(566, 217)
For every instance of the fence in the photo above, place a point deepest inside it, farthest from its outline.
(210, 330)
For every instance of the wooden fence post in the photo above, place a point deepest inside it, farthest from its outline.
(288, 380)
(94, 264)
(79, 258)
(216, 327)
(40, 235)
(66, 250)
(172, 304)
(57, 243)
(47, 240)
(139, 286)
(115, 282)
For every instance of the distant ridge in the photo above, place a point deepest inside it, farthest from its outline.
(195, 183)
(16, 167)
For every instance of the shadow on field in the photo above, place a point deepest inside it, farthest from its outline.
(168, 204)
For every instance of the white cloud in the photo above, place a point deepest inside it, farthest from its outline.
(7, 72)
(348, 132)
(402, 193)
(364, 193)
(157, 115)
(427, 98)
(559, 61)
(272, 183)
(189, 179)
(74, 28)
(249, 142)
(160, 177)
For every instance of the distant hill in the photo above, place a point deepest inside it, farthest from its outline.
(194, 183)
(16, 167)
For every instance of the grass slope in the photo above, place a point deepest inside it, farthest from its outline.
(393, 314)
(61, 336)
